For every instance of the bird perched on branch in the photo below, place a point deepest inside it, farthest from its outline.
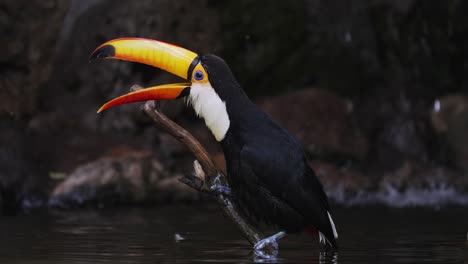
(267, 170)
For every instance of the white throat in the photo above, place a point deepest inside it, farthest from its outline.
(207, 104)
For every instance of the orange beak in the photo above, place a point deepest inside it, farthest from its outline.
(161, 92)
(173, 59)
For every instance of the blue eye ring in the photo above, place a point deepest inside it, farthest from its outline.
(198, 75)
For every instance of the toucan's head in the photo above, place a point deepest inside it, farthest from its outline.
(208, 101)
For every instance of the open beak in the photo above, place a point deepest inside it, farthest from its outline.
(160, 92)
(173, 59)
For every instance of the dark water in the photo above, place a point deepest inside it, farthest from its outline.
(147, 236)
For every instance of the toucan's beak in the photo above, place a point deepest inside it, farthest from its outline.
(161, 92)
(171, 58)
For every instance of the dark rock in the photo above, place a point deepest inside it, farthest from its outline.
(450, 119)
(22, 182)
(340, 182)
(397, 130)
(413, 184)
(416, 184)
(29, 31)
(420, 176)
(265, 43)
(124, 176)
(384, 46)
(322, 121)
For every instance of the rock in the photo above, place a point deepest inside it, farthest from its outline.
(23, 182)
(266, 44)
(124, 176)
(420, 184)
(450, 119)
(322, 121)
(413, 184)
(29, 33)
(421, 176)
(398, 130)
(340, 183)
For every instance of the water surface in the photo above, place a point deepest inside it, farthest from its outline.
(147, 235)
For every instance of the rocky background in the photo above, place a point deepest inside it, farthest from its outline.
(375, 90)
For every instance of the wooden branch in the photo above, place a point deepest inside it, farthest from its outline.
(206, 174)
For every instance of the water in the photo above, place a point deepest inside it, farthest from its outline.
(147, 235)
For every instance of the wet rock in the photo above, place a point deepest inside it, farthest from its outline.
(29, 32)
(340, 183)
(322, 121)
(265, 43)
(398, 130)
(384, 46)
(413, 184)
(450, 119)
(403, 137)
(124, 176)
(416, 184)
(423, 176)
(22, 182)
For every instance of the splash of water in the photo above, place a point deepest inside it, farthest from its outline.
(435, 195)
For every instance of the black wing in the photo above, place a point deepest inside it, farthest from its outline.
(278, 164)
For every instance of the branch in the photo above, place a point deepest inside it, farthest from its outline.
(206, 174)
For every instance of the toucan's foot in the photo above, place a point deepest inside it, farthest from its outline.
(221, 189)
(268, 247)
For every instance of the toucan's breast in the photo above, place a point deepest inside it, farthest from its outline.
(209, 106)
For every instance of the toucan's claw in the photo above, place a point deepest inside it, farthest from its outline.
(221, 189)
(267, 248)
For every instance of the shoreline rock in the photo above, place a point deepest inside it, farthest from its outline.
(127, 177)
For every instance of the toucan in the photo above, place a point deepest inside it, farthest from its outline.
(267, 170)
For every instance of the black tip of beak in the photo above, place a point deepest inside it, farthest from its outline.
(102, 52)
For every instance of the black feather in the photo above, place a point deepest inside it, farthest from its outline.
(266, 165)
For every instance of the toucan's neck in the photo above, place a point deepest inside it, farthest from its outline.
(236, 103)
(208, 105)
(224, 111)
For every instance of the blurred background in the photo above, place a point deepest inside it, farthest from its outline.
(375, 90)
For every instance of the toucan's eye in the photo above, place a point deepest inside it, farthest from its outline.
(198, 75)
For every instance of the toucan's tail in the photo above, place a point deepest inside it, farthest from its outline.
(319, 211)
(329, 236)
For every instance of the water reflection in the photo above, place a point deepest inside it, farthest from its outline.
(322, 257)
(149, 236)
(328, 257)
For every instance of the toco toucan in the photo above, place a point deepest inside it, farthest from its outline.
(267, 170)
